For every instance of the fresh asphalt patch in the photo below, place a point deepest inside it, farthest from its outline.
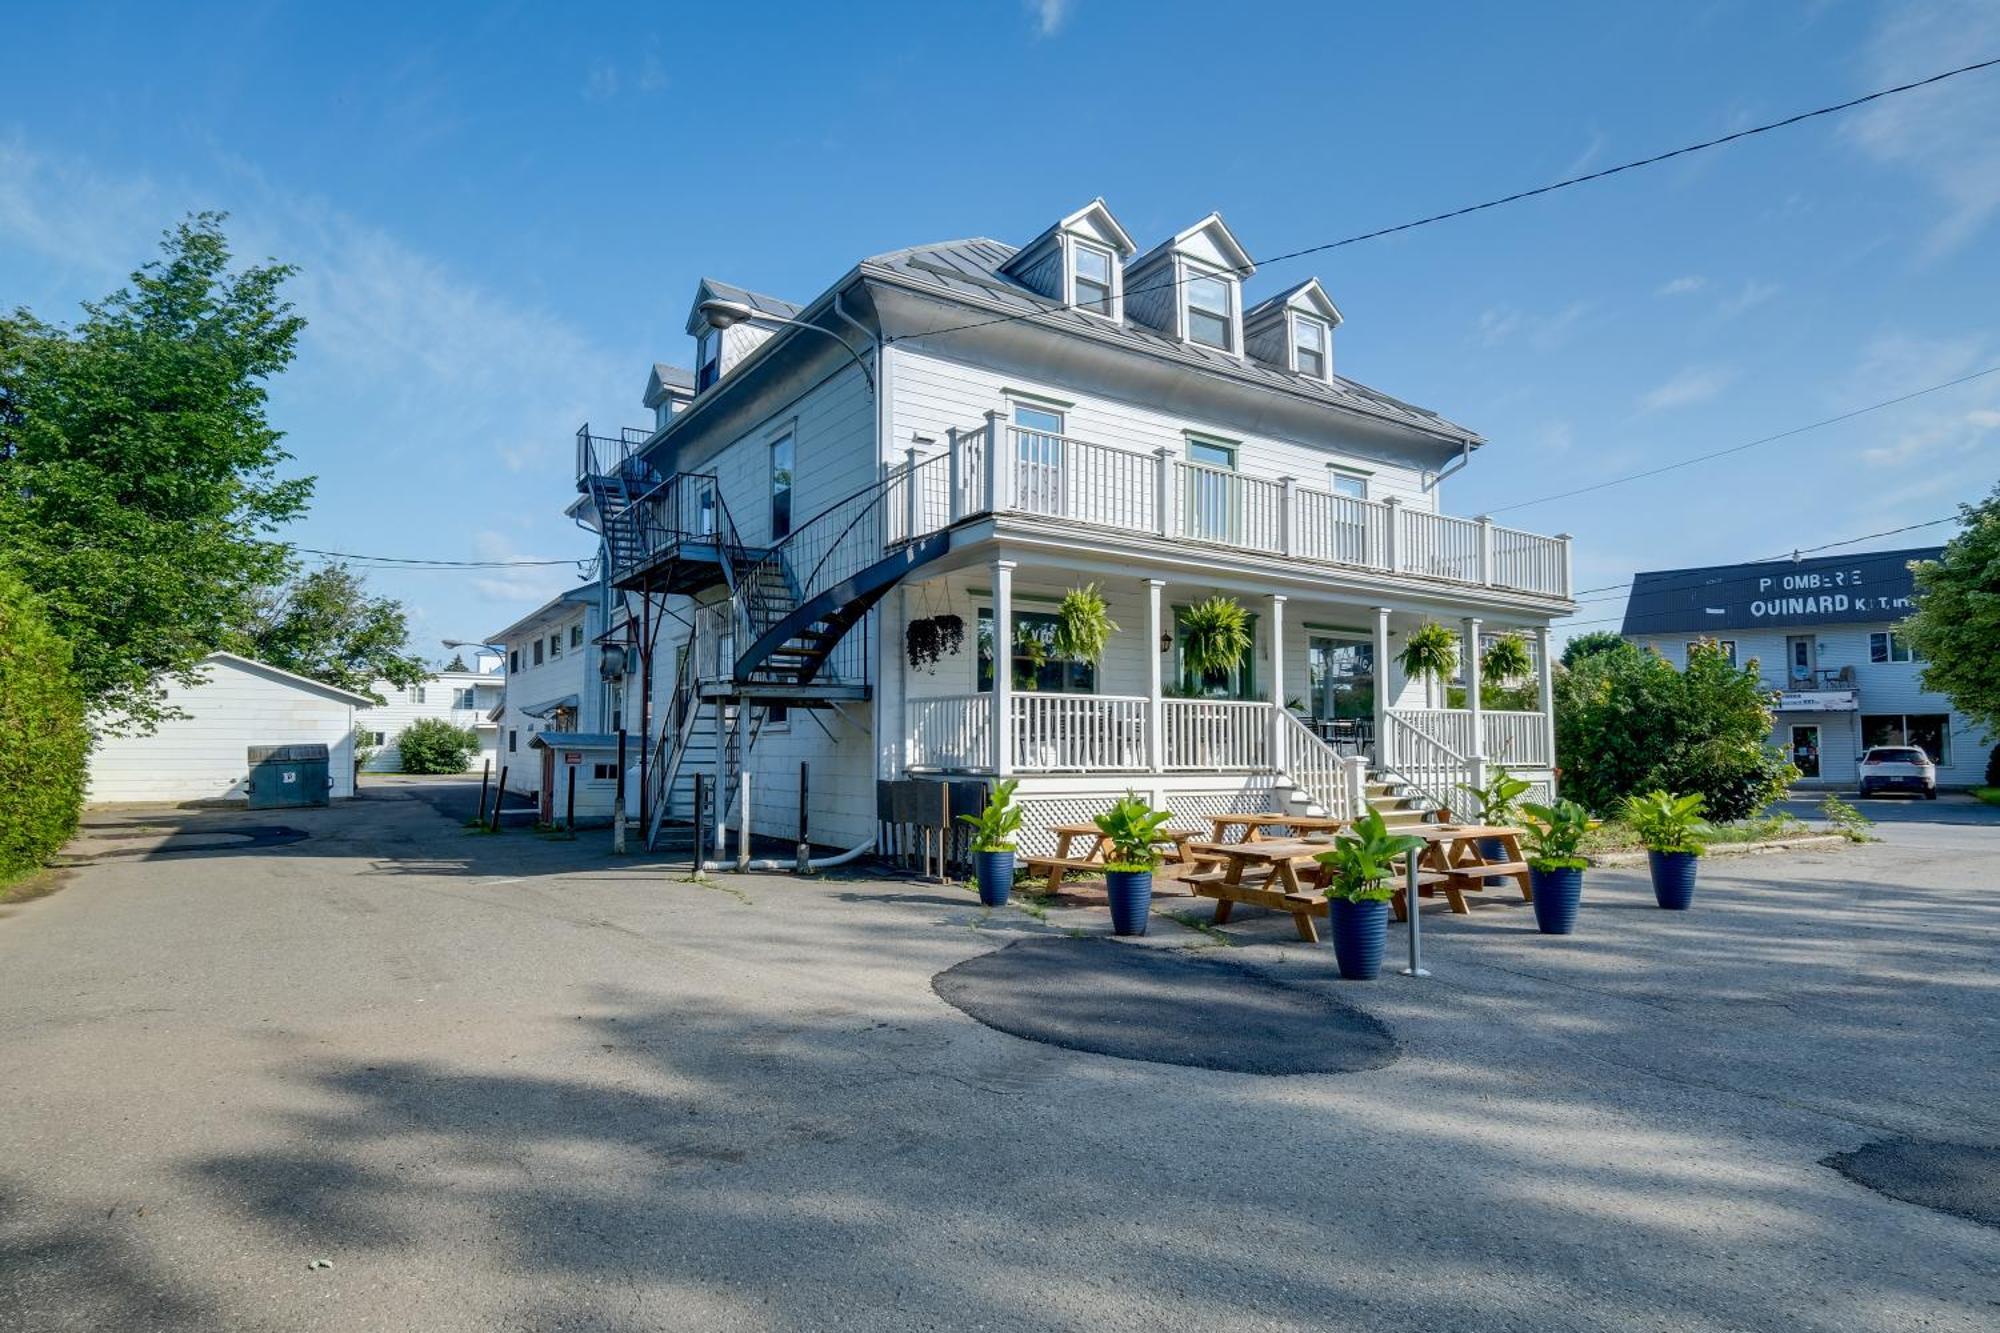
(1166, 1006)
(183, 842)
(1962, 1179)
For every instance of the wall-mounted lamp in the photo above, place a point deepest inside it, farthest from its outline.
(1166, 643)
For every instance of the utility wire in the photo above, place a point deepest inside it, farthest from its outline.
(1516, 197)
(1752, 444)
(416, 563)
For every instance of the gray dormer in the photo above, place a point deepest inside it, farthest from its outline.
(668, 390)
(1190, 286)
(718, 351)
(1078, 262)
(1294, 331)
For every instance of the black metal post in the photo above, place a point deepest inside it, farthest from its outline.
(485, 777)
(569, 810)
(700, 821)
(499, 799)
(804, 864)
(618, 811)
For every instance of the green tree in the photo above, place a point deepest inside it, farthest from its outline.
(457, 663)
(1956, 626)
(138, 474)
(326, 626)
(1628, 722)
(44, 744)
(433, 745)
(1591, 644)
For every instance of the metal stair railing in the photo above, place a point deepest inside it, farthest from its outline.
(678, 727)
(838, 543)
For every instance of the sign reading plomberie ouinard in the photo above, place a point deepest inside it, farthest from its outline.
(1869, 589)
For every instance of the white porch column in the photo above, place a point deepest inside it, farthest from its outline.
(1382, 666)
(1287, 522)
(1163, 493)
(1156, 709)
(1003, 668)
(1473, 673)
(1277, 682)
(1392, 532)
(954, 476)
(999, 473)
(1546, 670)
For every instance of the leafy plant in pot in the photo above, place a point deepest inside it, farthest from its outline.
(1673, 831)
(1499, 803)
(1362, 861)
(1131, 828)
(993, 830)
(1555, 869)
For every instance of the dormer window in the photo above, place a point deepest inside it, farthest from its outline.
(707, 358)
(1208, 312)
(1309, 346)
(1090, 279)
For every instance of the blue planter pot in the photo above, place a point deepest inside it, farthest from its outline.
(1557, 893)
(1493, 849)
(995, 871)
(1360, 933)
(1673, 879)
(1131, 893)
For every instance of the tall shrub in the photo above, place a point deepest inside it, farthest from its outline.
(1628, 722)
(44, 744)
(433, 745)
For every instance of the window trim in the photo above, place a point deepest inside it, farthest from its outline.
(1336, 475)
(1114, 294)
(555, 645)
(707, 369)
(983, 612)
(538, 650)
(1232, 314)
(1890, 641)
(1296, 320)
(787, 437)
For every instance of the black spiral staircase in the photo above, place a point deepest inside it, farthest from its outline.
(773, 626)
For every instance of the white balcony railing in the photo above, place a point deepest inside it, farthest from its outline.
(1214, 734)
(1085, 733)
(1163, 495)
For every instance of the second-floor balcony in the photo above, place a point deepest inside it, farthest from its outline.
(1170, 498)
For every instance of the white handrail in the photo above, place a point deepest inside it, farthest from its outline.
(1214, 734)
(954, 732)
(1433, 770)
(1316, 767)
(1081, 732)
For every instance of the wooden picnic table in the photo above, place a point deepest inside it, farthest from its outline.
(1253, 825)
(1091, 857)
(1273, 866)
(1456, 865)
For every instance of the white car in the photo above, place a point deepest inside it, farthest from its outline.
(1898, 768)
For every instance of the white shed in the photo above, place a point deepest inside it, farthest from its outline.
(205, 755)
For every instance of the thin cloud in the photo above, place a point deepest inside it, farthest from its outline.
(1752, 295)
(1686, 285)
(1693, 386)
(601, 83)
(1588, 158)
(1943, 135)
(1049, 16)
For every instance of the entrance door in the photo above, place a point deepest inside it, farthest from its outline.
(1214, 499)
(1799, 653)
(548, 792)
(1343, 691)
(1805, 751)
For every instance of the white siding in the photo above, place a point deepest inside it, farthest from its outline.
(932, 394)
(204, 756)
(574, 672)
(401, 709)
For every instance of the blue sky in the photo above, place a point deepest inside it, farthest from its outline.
(501, 218)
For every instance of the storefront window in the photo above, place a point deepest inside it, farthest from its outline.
(1035, 666)
(1931, 732)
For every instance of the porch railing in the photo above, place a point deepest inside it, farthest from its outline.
(1519, 740)
(1317, 767)
(1215, 734)
(1091, 733)
(1425, 765)
(954, 733)
(1161, 494)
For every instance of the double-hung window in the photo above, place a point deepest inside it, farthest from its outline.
(1209, 312)
(781, 486)
(555, 644)
(576, 636)
(1090, 279)
(538, 650)
(1309, 347)
(1889, 646)
(707, 359)
(464, 698)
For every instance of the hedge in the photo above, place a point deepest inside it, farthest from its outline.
(44, 744)
(432, 745)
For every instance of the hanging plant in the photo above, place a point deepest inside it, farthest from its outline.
(1505, 659)
(1083, 625)
(1215, 635)
(932, 638)
(1430, 653)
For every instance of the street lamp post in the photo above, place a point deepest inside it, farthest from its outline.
(723, 314)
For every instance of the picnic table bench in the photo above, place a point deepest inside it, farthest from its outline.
(1454, 863)
(1280, 887)
(1091, 857)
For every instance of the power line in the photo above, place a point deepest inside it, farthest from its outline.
(418, 563)
(1516, 197)
(1752, 444)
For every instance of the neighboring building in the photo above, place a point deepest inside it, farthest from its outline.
(1823, 635)
(553, 687)
(462, 698)
(929, 453)
(204, 756)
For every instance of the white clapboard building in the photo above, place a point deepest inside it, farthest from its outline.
(462, 698)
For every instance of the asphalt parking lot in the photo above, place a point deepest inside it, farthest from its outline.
(394, 1074)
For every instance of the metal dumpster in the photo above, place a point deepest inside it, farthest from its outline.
(282, 775)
